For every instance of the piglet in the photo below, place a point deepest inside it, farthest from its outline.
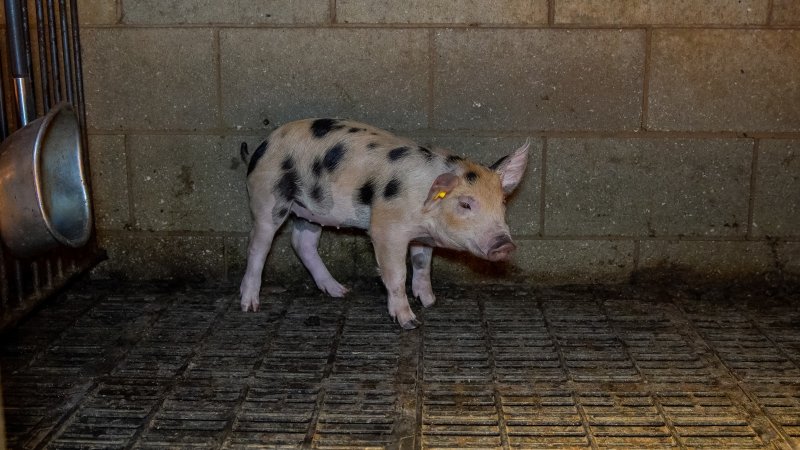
(329, 172)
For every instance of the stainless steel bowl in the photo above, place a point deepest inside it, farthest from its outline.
(44, 192)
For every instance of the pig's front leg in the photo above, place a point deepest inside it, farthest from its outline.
(421, 278)
(390, 252)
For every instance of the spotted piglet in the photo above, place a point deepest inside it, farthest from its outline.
(346, 174)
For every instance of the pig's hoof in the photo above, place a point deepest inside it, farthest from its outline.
(249, 304)
(411, 324)
(422, 291)
(333, 288)
(427, 300)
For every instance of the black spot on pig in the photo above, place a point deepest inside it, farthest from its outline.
(288, 186)
(452, 159)
(260, 150)
(366, 192)
(333, 157)
(322, 127)
(279, 214)
(316, 166)
(471, 177)
(398, 153)
(427, 154)
(392, 189)
(372, 145)
(287, 164)
(419, 261)
(316, 193)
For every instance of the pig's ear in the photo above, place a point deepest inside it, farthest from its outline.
(511, 167)
(441, 188)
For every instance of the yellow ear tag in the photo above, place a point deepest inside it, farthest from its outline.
(441, 194)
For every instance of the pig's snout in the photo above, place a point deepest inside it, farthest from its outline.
(501, 248)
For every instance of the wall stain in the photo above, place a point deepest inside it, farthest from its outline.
(186, 183)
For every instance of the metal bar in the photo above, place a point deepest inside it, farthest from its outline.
(18, 280)
(26, 38)
(78, 63)
(48, 281)
(36, 280)
(65, 42)
(15, 31)
(42, 38)
(54, 65)
(3, 283)
(3, 117)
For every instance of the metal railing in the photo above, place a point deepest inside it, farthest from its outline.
(43, 51)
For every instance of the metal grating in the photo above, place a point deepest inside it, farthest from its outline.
(154, 366)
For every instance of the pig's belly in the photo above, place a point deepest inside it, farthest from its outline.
(338, 216)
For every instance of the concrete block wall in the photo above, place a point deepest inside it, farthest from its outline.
(666, 135)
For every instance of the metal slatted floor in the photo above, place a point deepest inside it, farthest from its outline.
(153, 366)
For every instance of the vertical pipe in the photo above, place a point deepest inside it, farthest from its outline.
(76, 48)
(19, 69)
(18, 280)
(43, 72)
(65, 42)
(3, 118)
(36, 281)
(26, 38)
(3, 284)
(54, 66)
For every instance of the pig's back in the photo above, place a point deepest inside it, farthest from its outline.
(337, 171)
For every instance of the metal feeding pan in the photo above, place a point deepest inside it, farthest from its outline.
(44, 194)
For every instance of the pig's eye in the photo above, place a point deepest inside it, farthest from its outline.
(464, 205)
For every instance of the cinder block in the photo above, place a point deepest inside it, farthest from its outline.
(543, 261)
(524, 205)
(574, 261)
(149, 256)
(228, 11)
(725, 80)
(785, 12)
(709, 260)
(97, 12)
(776, 210)
(188, 183)
(149, 78)
(442, 11)
(677, 12)
(375, 75)
(109, 168)
(520, 79)
(647, 187)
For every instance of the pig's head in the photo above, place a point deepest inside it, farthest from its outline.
(466, 209)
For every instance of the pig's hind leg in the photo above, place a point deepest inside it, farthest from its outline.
(421, 278)
(264, 228)
(305, 240)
